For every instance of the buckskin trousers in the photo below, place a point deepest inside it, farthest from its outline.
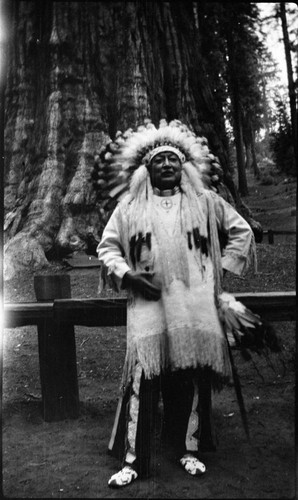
(186, 422)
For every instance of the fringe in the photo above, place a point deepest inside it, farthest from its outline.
(251, 259)
(185, 348)
(150, 352)
(215, 246)
(191, 347)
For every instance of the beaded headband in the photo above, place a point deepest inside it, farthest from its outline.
(162, 149)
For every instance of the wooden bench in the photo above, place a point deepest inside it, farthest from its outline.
(56, 313)
(271, 232)
(272, 306)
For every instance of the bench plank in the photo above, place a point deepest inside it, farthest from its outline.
(272, 306)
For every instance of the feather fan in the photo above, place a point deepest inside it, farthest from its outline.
(246, 330)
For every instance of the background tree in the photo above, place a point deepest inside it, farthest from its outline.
(77, 73)
(243, 54)
(233, 50)
(283, 18)
(233, 37)
(281, 11)
(268, 70)
(252, 99)
(213, 50)
(281, 142)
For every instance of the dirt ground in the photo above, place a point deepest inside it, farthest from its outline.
(69, 459)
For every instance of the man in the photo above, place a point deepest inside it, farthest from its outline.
(161, 244)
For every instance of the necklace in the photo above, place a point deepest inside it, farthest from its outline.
(166, 192)
(167, 204)
(167, 197)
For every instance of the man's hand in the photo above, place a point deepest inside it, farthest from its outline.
(141, 282)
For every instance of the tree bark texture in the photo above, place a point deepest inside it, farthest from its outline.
(237, 112)
(78, 72)
(291, 84)
(250, 148)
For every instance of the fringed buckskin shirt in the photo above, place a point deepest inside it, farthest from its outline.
(182, 329)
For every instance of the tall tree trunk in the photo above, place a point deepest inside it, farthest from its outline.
(248, 155)
(266, 120)
(57, 118)
(255, 166)
(242, 181)
(237, 116)
(78, 72)
(250, 148)
(291, 85)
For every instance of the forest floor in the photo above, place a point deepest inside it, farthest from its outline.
(69, 459)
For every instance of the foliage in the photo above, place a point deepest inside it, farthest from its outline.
(283, 20)
(216, 21)
(235, 57)
(281, 143)
(254, 72)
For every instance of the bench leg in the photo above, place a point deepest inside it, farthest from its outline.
(57, 354)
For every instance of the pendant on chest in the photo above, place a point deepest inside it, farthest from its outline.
(166, 203)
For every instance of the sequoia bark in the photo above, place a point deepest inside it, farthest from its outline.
(77, 73)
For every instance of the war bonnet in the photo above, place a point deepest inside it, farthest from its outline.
(121, 165)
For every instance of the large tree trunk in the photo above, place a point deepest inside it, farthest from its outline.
(250, 148)
(255, 166)
(239, 143)
(78, 72)
(237, 114)
(56, 120)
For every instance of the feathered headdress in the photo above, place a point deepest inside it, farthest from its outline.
(122, 168)
(121, 165)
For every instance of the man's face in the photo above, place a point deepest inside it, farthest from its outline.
(165, 170)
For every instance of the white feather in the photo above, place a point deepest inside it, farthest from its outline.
(194, 176)
(138, 179)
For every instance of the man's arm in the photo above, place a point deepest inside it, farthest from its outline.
(112, 256)
(240, 247)
(110, 250)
